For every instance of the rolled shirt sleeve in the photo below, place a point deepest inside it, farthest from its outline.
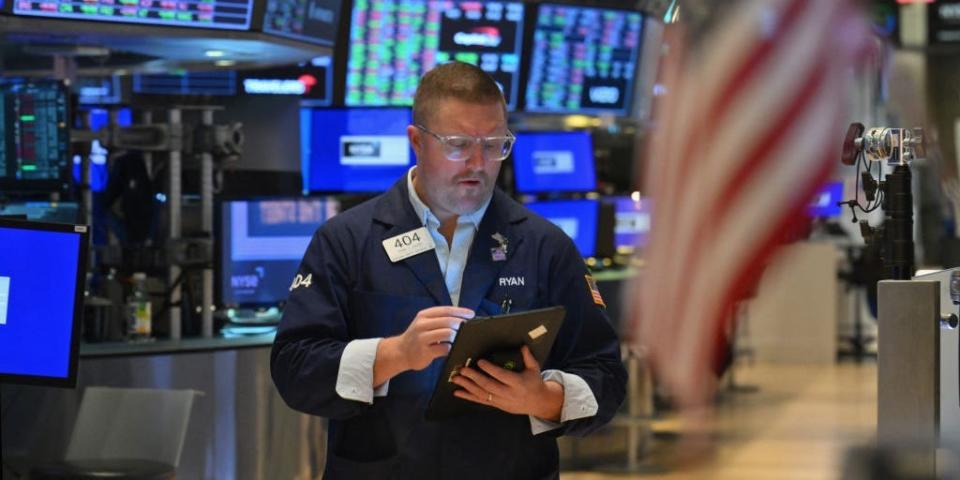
(578, 401)
(355, 375)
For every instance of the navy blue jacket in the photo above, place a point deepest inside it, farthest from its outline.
(356, 292)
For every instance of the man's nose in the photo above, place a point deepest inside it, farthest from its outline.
(475, 161)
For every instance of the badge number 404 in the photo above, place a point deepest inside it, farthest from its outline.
(301, 281)
(406, 240)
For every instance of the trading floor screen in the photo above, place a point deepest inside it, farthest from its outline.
(393, 43)
(33, 135)
(583, 60)
(222, 14)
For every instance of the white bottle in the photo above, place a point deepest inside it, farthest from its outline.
(139, 319)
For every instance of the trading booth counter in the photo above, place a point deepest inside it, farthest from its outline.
(239, 427)
(187, 345)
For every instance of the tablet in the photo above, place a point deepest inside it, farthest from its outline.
(499, 335)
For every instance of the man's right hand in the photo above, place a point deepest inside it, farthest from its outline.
(428, 337)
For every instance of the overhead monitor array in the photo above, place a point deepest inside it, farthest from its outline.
(313, 21)
(394, 42)
(219, 14)
(583, 60)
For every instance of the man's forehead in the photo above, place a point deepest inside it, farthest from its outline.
(478, 117)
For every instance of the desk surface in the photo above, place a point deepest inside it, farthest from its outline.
(186, 345)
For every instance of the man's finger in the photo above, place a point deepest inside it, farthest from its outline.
(447, 311)
(433, 323)
(470, 386)
(505, 377)
(486, 383)
(528, 360)
(440, 335)
(471, 398)
(439, 350)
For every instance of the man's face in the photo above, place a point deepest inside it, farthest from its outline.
(449, 187)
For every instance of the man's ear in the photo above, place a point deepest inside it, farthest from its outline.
(415, 137)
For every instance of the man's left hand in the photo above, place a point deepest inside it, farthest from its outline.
(522, 393)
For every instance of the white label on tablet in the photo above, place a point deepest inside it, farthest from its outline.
(537, 332)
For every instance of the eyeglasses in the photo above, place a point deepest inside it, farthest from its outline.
(457, 147)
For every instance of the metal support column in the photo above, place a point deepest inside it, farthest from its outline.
(206, 208)
(174, 198)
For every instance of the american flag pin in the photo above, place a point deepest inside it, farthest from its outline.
(501, 240)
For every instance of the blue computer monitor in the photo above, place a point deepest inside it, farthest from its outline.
(98, 90)
(546, 162)
(41, 299)
(577, 218)
(632, 222)
(261, 243)
(354, 150)
(98, 118)
(824, 202)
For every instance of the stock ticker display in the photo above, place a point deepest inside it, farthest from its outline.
(583, 60)
(393, 43)
(222, 14)
(312, 21)
(33, 130)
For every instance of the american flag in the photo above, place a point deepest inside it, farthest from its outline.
(752, 125)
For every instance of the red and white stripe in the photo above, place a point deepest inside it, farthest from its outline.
(752, 126)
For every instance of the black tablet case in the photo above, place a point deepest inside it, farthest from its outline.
(481, 336)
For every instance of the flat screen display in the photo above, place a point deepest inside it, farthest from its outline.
(354, 150)
(98, 90)
(394, 42)
(546, 162)
(261, 245)
(577, 218)
(34, 136)
(632, 222)
(98, 118)
(313, 21)
(312, 82)
(220, 14)
(824, 203)
(41, 293)
(222, 83)
(583, 60)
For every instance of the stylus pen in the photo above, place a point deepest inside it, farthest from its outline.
(506, 304)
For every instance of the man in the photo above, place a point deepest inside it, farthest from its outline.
(365, 331)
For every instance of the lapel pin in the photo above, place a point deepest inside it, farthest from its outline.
(499, 253)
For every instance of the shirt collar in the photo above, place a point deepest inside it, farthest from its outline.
(426, 216)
